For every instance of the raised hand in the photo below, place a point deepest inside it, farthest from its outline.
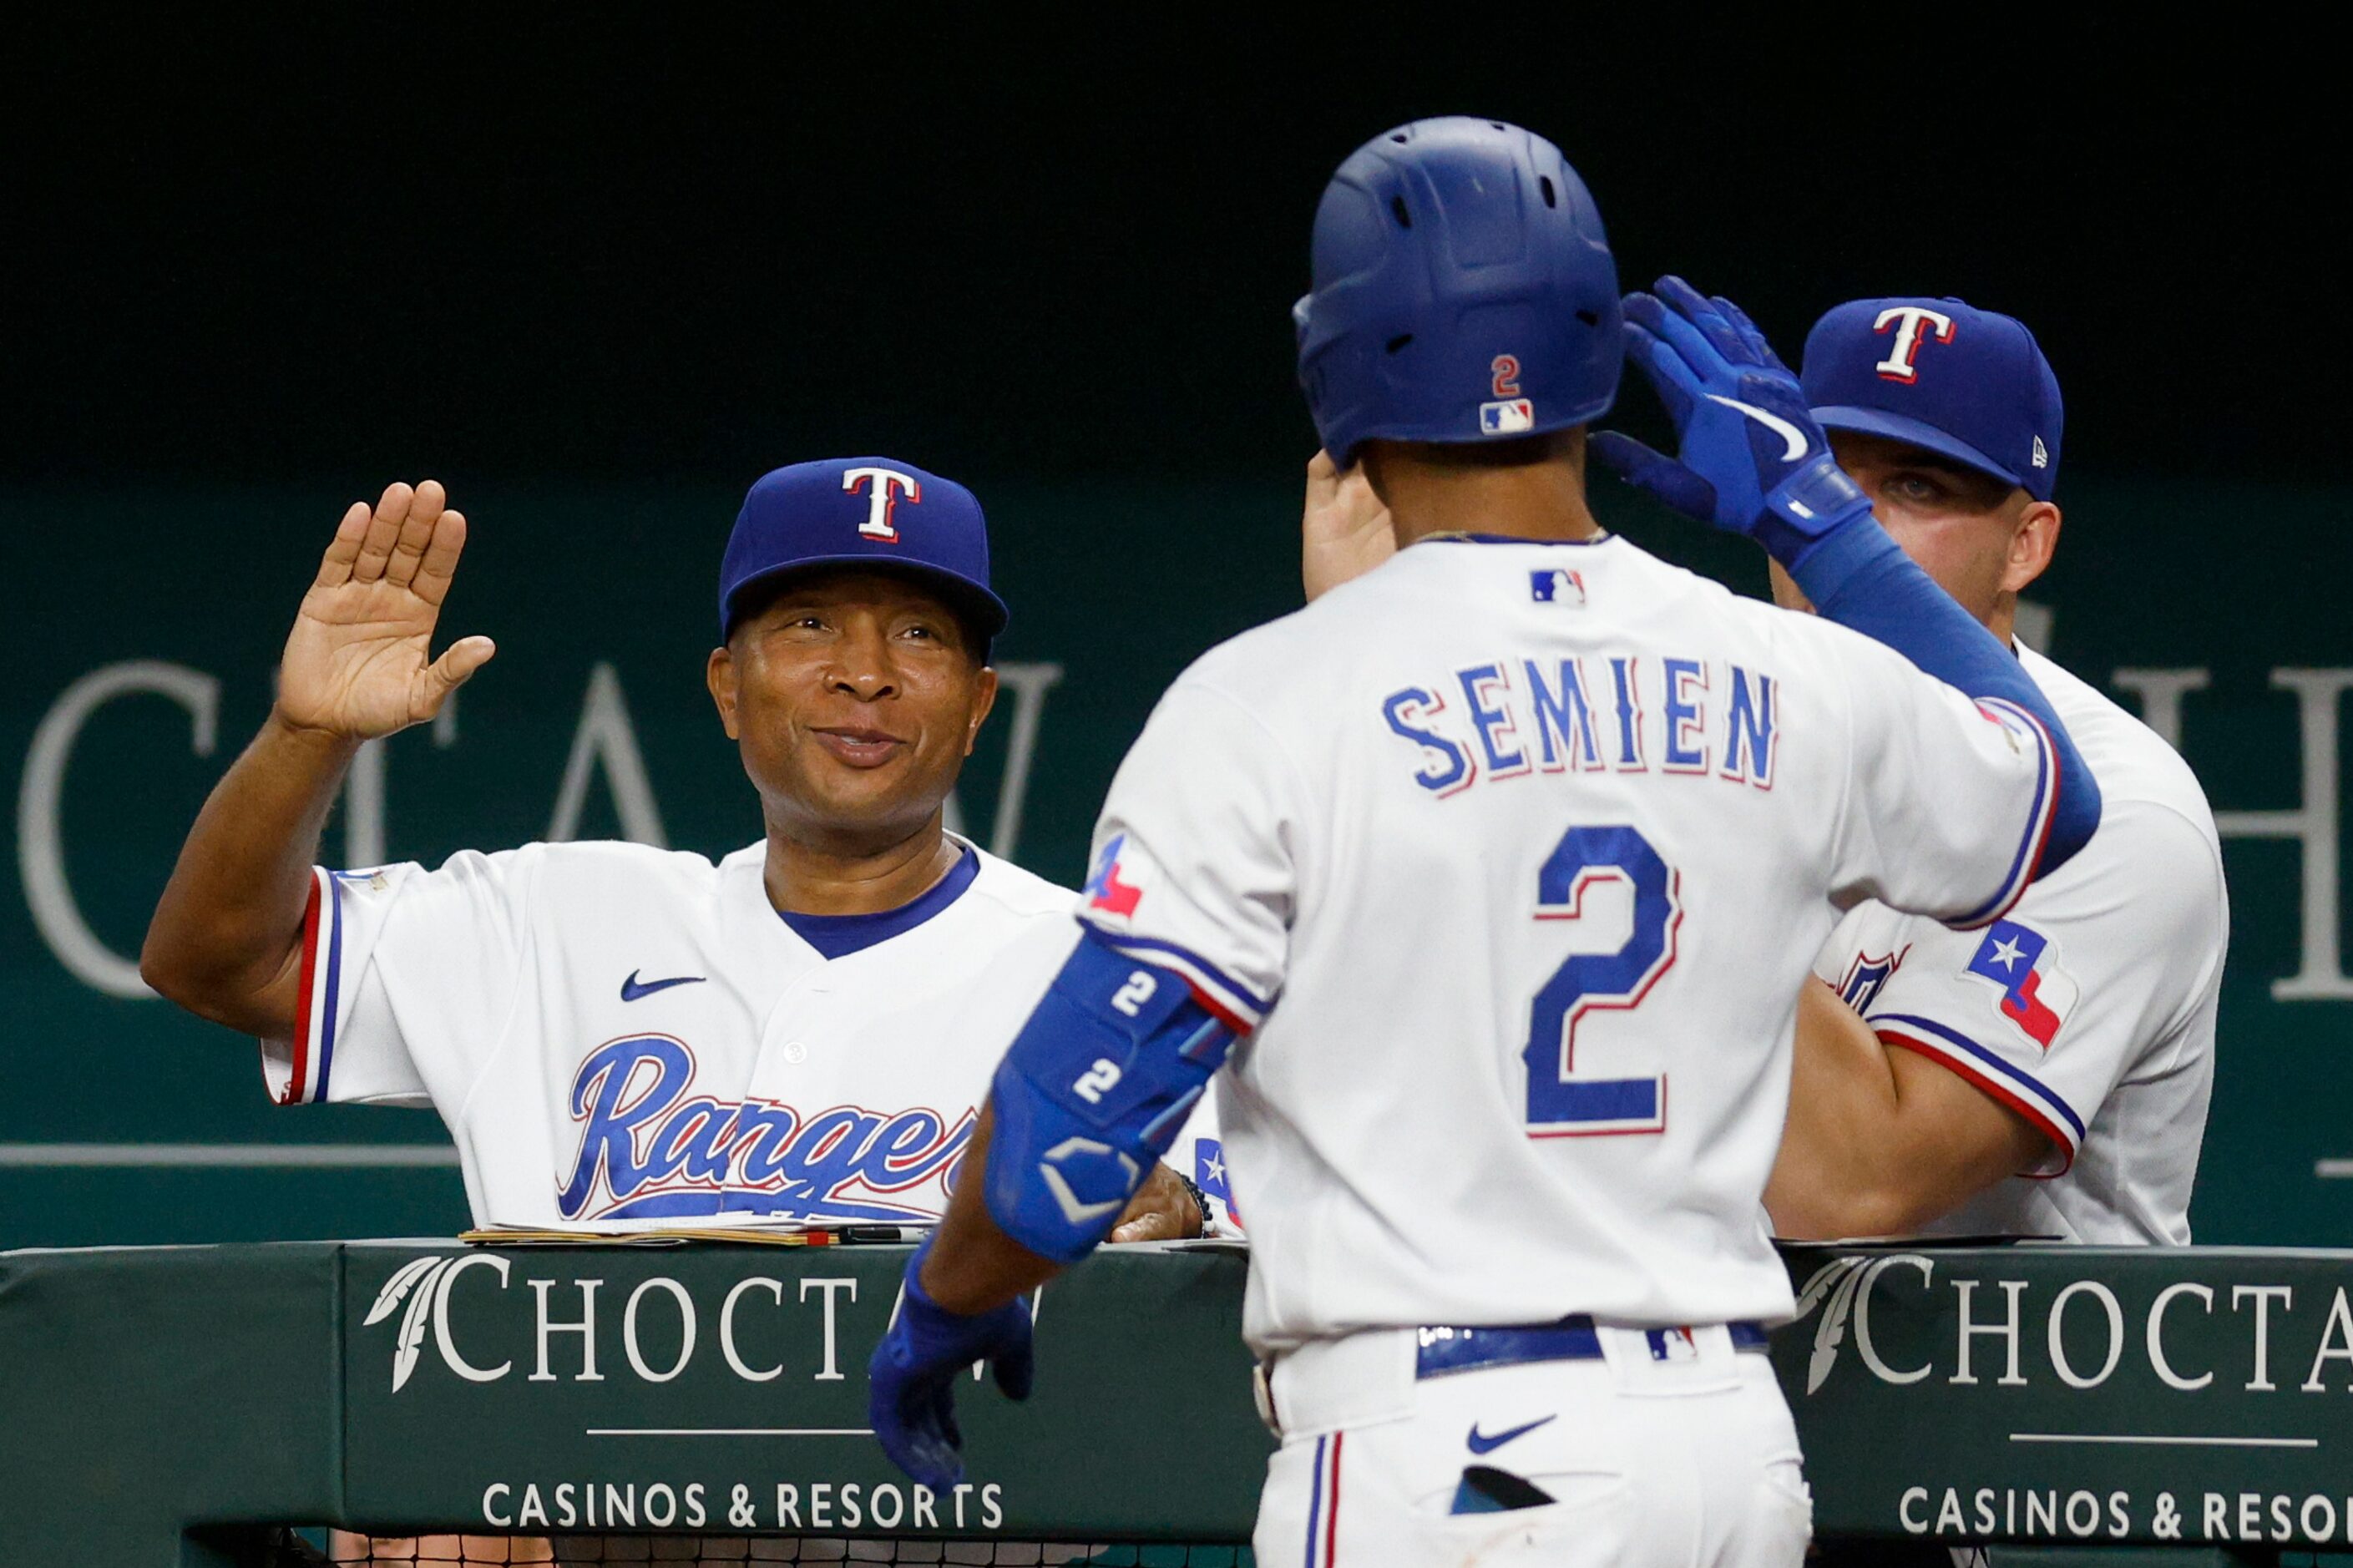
(359, 661)
(1752, 459)
(1344, 528)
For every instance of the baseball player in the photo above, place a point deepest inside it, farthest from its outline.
(620, 1036)
(2048, 1075)
(1483, 877)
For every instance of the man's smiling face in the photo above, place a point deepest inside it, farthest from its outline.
(854, 696)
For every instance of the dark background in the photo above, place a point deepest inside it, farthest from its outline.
(604, 242)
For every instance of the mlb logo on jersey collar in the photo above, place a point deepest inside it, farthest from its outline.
(1555, 586)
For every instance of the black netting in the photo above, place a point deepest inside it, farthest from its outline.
(344, 1549)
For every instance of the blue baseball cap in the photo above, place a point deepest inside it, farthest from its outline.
(875, 512)
(1969, 384)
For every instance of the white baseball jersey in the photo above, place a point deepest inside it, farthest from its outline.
(2089, 1010)
(1535, 843)
(617, 1033)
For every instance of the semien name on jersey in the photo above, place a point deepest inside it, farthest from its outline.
(1622, 712)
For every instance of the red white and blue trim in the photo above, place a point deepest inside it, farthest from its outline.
(2027, 863)
(1227, 1000)
(2013, 1086)
(323, 975)
(1324, 1503)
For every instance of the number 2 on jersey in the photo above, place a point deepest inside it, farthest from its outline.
(1562, 1101)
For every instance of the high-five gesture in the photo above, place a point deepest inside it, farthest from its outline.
(227, 939)
(1753, 459)
(359, 661)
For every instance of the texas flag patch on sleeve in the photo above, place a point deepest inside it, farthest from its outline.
(1209, 1175)
(1106, 891)
(2022, 963)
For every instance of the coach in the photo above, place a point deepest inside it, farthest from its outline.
(2047, 1075)
(618, 1035)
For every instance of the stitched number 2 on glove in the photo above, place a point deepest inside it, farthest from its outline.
(1563, 1102)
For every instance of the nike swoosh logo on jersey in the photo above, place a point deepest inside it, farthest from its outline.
(1790, 432)
(631, 991)
(1482, 1444)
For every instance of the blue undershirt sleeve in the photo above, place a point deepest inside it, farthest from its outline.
(1092, 1093)
(1856, 575)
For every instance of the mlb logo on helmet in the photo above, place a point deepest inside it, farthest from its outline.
(1506, 417)
(1967, 385)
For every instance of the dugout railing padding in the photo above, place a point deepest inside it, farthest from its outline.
(179, 1404)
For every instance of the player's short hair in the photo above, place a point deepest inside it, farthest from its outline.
(1523, 452)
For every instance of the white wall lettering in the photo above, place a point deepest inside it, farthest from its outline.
(586, 1328)
(677, 1292)
(831, 1372)
(40, 850)
(2313, 823)
(1028, 683)
(441, 1289)
(606, 735)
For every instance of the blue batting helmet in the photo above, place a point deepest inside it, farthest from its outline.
(1463, 292)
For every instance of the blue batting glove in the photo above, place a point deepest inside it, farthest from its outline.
(1752, 459)
(910, 1398)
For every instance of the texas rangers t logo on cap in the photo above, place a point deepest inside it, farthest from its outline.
(887, 483)
(1914, 324)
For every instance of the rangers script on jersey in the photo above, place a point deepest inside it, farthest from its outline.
(1515, 855)
(618, 1035)
(2089, 1010)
